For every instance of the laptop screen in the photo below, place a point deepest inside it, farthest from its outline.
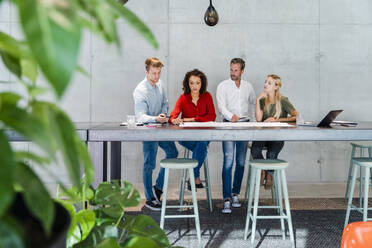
(331, 116)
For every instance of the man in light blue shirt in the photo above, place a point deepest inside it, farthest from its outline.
(151, 105)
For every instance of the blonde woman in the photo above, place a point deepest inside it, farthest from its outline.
(271, 106)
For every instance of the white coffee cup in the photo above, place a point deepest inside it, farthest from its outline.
(131, 120)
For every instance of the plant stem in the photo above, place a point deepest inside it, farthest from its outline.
(121, 216)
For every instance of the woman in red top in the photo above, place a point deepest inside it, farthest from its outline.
(195, 104)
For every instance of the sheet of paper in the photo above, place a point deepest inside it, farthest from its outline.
(236, 124)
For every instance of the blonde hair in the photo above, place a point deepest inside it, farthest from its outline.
(155, 62)
(278, 95)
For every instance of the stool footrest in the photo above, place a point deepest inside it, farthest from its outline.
(272, 217)
(269, 216)
(179, 216)
(268, 207)
(178, 206)
(359, 209)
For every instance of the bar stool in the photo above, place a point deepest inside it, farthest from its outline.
(362, 148)
(274, 198)
(279, 167)
(206, 180)
(183, 164)
(365, 164)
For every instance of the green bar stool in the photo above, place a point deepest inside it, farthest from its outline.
(279, 167)
(180, 164)
(206, 181)
(274, 198)
(365, 164)
(362, 153)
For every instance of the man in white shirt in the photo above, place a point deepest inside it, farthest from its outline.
(235, 99)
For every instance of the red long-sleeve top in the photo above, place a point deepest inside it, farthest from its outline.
(203, 110)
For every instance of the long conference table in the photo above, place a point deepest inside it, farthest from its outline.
(100, 134)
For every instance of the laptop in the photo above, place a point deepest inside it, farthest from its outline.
(327, 120)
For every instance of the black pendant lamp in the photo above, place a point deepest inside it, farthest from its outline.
(211, 15)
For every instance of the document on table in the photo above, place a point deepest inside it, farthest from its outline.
(236, 124)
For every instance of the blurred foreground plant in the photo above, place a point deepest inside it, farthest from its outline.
(99, 218)
(52, 31)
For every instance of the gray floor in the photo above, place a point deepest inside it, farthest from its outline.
(318, 214)
(312, 228)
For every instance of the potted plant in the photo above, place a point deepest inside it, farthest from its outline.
(52, 31)
(99, 218)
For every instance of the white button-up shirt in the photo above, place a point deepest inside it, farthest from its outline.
(232, 100)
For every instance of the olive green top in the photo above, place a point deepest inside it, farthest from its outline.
(287, 108)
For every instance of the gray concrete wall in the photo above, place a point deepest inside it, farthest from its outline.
(322, 49)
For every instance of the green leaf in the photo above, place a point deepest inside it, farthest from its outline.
(9, 237)
(86, 160)
(43, 207)
(29, 69)
(110, 243)
(36, 91)
(123, 1)
(15, 118)
(17, 57)
(86, 219)
(134, 22)
(97, 235)
(23, 156)
(145, 226)
(82, 71)
(140, 241)
(81, 225)
(74, 150)
(15, 48)
(116, 198)
(75, 196)
(54, 45)
(9, 99)
(67, 141)
(6, 173)
(13, 64)
(92, 26)
(63, 133)
(107, 20)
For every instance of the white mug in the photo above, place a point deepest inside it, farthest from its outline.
(131, 120)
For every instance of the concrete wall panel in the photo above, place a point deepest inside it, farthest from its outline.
(151, 12)
(256, 11)
(5, 12)
(345, 12)
(116, 73)
(346, 62)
